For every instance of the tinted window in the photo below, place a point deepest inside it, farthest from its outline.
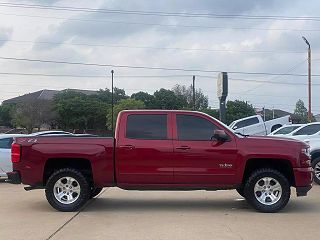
(286, 130)
(194, 128)
(308, 130)
(6, 143)
(147, 126)
(247, 122)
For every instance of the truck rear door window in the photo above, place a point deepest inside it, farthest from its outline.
(147, 126)
(194, 128)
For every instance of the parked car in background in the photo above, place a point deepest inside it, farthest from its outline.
(309, 131)
(5, 153)
(286, 130)
(314, 144)
(255, 125)
(52, 132)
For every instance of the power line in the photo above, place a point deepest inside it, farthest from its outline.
(160, 25)
(152, 68)
(155, 48)
(159, 13)
(145, 76)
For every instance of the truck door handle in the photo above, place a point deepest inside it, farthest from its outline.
(183, 148)
(128, 147)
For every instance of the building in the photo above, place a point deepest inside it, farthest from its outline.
(44, 94)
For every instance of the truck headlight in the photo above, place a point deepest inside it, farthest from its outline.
(306, 151)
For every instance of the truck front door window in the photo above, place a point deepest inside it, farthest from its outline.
(194, 128)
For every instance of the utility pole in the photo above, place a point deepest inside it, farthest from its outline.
(309, 78)
(194, 92)
(272, 112)
(112, 103)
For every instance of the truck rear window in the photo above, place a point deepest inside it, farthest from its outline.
(147, 126)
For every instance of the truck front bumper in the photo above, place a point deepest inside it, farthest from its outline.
(302, 191)
(14, 177)
(303, 180)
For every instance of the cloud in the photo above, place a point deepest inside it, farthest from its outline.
(5, 34)
(169, 47)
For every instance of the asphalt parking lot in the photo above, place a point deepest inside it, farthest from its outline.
(119, 214)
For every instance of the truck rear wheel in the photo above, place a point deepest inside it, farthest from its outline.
(316, 167)
(67, 190)
(267, 190)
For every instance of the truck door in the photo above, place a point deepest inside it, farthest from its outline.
(144, 152)
(198, 159)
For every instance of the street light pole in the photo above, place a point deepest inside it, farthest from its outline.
(309, 78)
(194, 92)
(112, 102)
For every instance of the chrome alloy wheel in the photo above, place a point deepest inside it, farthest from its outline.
(268, 191)
(67, 190)
(317, 170)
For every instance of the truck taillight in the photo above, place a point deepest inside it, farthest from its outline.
(15, 153)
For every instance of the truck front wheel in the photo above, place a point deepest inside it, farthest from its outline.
(67, 190)
(267, 190)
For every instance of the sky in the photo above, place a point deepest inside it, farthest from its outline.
(188, 35)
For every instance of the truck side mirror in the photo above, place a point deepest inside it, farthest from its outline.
(220, 135)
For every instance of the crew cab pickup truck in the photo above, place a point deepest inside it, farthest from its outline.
(254, 125)
(163, 150)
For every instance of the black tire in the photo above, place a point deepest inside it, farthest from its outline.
(256, 178)
(95, 192)
(316, 167)
(240, 190)
(80, 181)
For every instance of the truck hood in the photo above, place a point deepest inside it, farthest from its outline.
(271, 147)
(274, 141)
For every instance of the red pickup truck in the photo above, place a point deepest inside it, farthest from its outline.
(163, 150)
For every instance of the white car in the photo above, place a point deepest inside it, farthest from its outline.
(255, 125)
(286, 130)
(5, 153)
(50, 133)
(308, 131)
(314, 144)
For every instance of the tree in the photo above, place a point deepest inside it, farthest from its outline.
(34, 114)
(212, 112)
(166, 99)
(6, 112)
(124, 104)
(79, 111)
(146, 98)
(238, 109)
(301, 111)
(186, 95)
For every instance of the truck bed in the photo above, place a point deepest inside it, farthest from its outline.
(41, 151)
